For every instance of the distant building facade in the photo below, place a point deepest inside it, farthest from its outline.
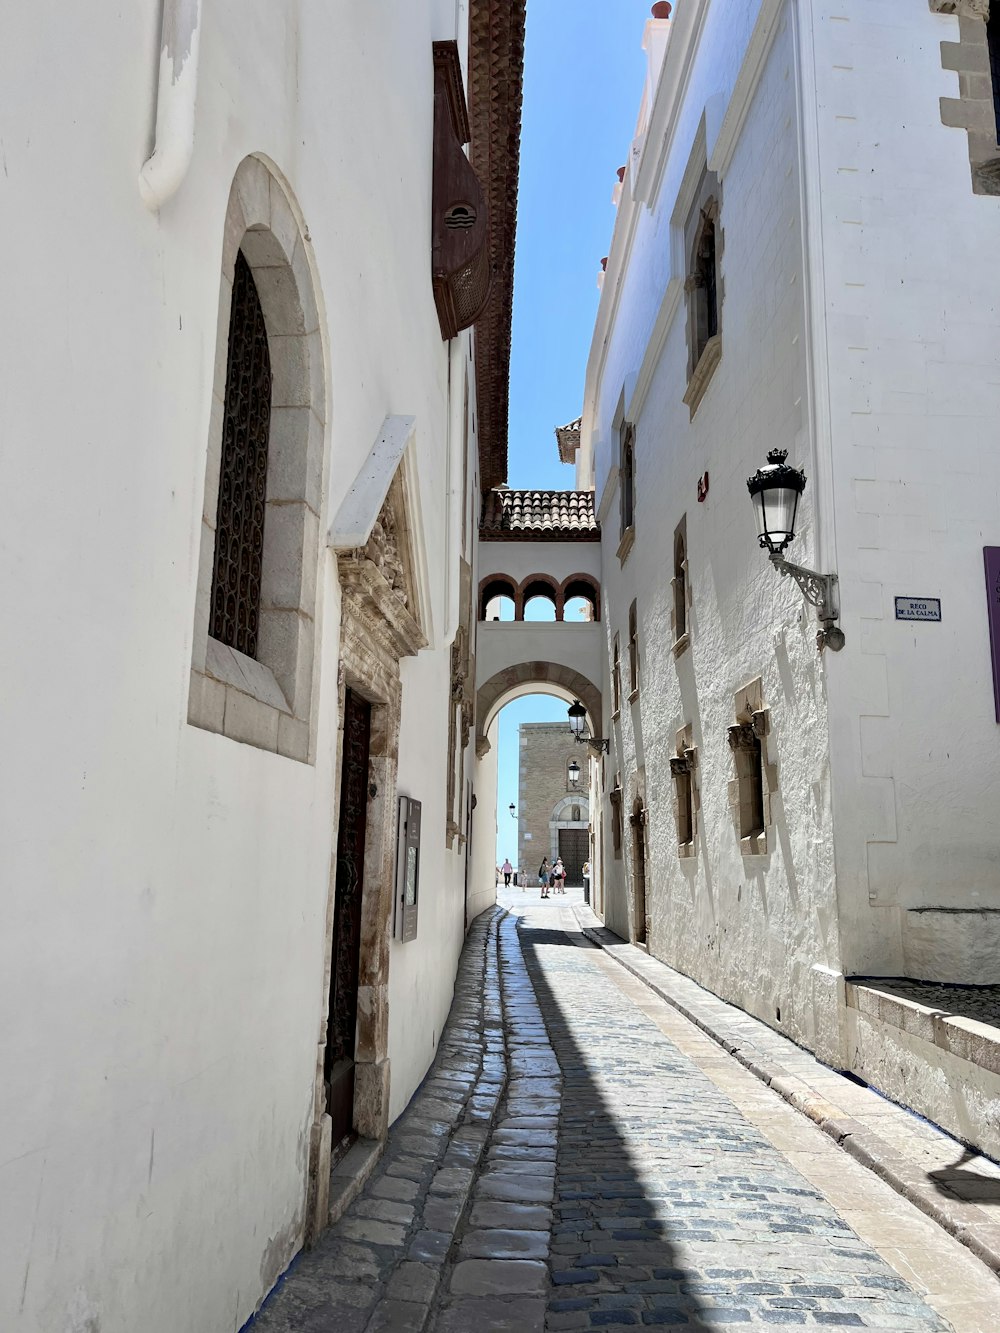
(777, 818)
(553, 814)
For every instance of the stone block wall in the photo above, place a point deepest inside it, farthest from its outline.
(544, 795)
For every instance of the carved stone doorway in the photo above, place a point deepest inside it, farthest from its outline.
(345, 951)
(381, 622)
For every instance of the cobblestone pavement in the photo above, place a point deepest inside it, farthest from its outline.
(567, 1164)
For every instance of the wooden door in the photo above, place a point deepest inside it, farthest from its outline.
(346, 952)
(574, 844)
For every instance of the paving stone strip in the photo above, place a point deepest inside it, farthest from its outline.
(670, 1208)
(380, 1266)
(813, 1090)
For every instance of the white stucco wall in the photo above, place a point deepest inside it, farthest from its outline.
(910, 337)
(751, 928)
(164, 889)
(504, 644)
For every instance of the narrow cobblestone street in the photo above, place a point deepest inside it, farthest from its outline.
(582, 1156)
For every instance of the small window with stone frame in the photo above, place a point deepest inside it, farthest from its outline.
(749, 761)
(682, 770)
(626, 487)
(633, 650)
(616, 675)
(679, 585)
(703, 287)
(615, 797)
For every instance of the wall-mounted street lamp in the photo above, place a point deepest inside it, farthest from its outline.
(573, 773)
(775, 491)
(577, 720)
(513, 810)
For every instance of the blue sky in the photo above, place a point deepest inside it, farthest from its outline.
(584, 72)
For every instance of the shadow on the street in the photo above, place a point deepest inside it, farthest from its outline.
(611, 1249)
(958, 1182)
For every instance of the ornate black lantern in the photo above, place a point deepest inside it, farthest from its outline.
(577, 715)
(573, 773)
(775, 491)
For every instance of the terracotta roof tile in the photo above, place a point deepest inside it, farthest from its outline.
(539, 516)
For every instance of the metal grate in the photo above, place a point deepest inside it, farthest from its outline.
(239, 521)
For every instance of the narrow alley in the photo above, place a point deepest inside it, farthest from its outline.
(581, 1155)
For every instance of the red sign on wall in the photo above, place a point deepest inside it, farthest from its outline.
(991, 558)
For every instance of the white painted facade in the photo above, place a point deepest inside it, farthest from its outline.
(165, 889)
(859, 332)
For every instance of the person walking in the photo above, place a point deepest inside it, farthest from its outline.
(586, 881)
(543, 876)
(507, 870)
(559, 870)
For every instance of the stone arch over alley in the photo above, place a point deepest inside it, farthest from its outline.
(538, 543)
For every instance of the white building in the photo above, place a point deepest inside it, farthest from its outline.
(241, 475)
(797, 263)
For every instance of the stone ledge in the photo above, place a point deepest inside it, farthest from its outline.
(967, 1038)
(727, 1025)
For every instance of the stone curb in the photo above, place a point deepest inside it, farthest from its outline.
(967, 1223)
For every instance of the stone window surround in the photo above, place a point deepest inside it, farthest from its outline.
(681, 587)
(616, 678)
(633, 651)
(268, 702)
(615, 796)
(626, 442)
(686, 763)
(749, 711)
(705, 209)
(974, 109)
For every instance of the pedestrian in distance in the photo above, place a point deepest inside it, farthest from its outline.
(560, 874)
(508, 870)
(543, 876)
(586, 881)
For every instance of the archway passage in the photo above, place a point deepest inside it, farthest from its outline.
(526, 678)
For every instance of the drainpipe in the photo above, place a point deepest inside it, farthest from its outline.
(164, 170)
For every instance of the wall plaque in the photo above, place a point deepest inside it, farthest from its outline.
(918, 608)
(991, 559)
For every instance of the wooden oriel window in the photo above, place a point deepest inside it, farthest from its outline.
(239, 523)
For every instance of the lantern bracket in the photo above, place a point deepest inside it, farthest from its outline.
(821, 591)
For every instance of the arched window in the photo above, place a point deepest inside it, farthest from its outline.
(539, 601)
(498, 599)
(633, 648)
(680, 586)
(246, 425)
(581, 599)
(253, 646)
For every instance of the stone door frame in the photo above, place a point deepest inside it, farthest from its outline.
(377, 630)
